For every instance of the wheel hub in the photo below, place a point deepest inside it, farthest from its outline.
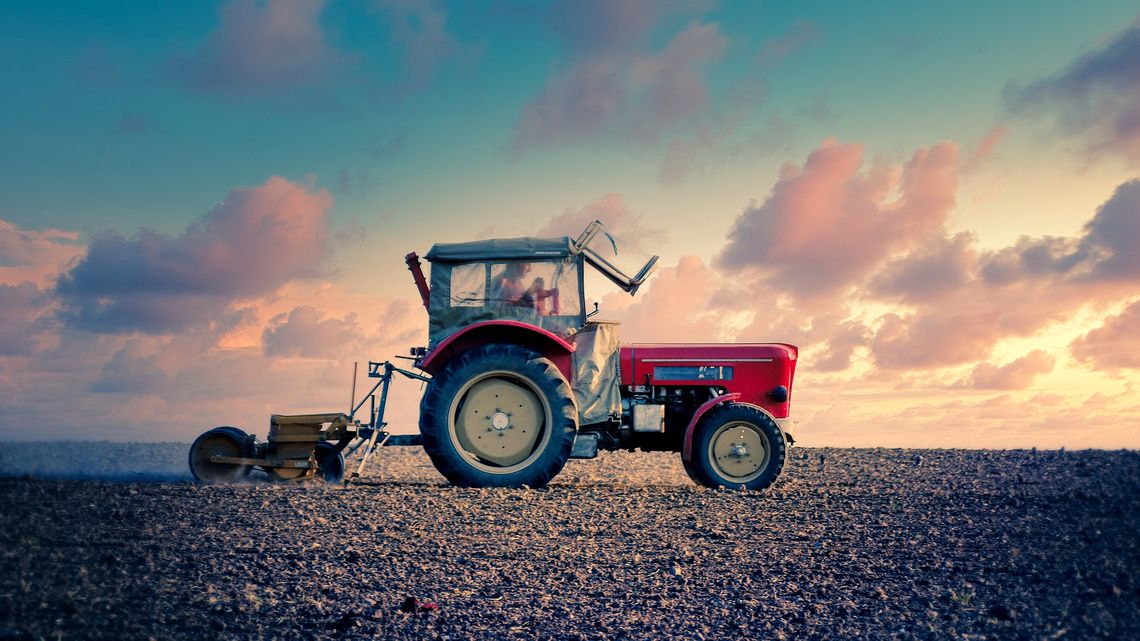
(738, 452)
(500, 420)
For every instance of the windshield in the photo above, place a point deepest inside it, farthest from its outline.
(545, 293)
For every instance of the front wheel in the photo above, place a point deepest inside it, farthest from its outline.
(738, 447)
(499, 416)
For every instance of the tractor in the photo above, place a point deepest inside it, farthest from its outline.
(520, 379)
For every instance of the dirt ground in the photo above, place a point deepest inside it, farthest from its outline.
(871, 544)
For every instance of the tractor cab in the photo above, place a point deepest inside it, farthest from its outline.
(534, 281)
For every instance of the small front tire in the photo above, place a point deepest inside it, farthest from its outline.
(737, 446)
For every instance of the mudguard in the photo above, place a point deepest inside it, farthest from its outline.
(687, 442)
(550, 345)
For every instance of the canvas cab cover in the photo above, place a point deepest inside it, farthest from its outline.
(537, 281)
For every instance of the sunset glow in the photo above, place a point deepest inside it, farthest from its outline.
(204, 208)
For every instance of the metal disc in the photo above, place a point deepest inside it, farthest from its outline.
(499, 421)
(738, 451)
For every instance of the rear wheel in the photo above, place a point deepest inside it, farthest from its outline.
(737, 446)
(499, 416)
(220, 441)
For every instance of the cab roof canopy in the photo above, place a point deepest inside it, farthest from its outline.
(502, 248)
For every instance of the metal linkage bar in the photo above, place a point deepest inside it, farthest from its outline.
(373, 434)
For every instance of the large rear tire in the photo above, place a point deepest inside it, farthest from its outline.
(737, 446)
(220, 441)
(499, 416)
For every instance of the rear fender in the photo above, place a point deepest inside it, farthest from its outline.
(550, 345)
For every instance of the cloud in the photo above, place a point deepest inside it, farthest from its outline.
(582, 102)
(1113, 345)
(929, 272)
(630, 229)
(682, 154)
(615, 83)
(256, 240)
(260, 47)
(709, 146)
(675, 88)
(24, 321)
(1111, 236)
(304, 332)
(839, 337)
(728, 135)
(35, 256)
(801, 34)
(420, 28)
(985, 150)
(1096, 98)
(1015, 375)
(591, 27)
(826, 226)
(679, 293)
(844, 259)
(962, 301)
(1104, 255)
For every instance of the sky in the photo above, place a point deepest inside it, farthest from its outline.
(204, 207)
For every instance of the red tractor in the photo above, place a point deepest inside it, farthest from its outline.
(522, 379)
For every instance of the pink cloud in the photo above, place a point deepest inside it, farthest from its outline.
(879, 237)
(985, 150)
(929, 272)
(256, 240)
(679, 293)
(631, 230)
(186, 382)
(304, 332)
(965, 301)
(826, 226)
(24, 322)
(1113, 345)
(260, 47)
(838, 336)
(1015, 375)
(35, 256)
